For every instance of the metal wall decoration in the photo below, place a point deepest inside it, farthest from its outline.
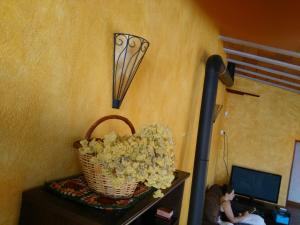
(129, 51)
(217, 110)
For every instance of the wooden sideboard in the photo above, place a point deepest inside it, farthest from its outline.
(40, 207)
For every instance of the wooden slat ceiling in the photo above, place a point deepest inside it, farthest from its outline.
(267, 22)
(273, 66)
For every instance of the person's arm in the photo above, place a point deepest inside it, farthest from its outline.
(228, 211)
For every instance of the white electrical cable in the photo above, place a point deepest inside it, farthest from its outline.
(225, 154)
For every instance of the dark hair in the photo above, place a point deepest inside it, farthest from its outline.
(227, 189)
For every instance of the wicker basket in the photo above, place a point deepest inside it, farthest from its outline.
(92, 171)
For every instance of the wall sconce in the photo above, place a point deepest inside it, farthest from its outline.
(216, 112)
(129, 51)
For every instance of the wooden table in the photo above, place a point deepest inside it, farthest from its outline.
(40, 207)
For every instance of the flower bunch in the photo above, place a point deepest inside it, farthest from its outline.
(146, 156)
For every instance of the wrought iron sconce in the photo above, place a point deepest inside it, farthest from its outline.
(216, 112)
(129, 51)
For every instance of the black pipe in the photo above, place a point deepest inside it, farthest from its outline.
(214, 69)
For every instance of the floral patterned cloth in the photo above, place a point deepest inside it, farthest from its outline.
(76, 189)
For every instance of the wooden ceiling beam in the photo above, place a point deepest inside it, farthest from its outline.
(291, 87)
(273, 66)
(269, 74)
(259, 52)
(262, 68)
(262, 59)
(263, 64)
(259, 46)
(273, 79)
(269, 83)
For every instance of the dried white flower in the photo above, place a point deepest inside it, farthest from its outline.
(147, 156)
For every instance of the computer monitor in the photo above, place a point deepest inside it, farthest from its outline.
(255, 184)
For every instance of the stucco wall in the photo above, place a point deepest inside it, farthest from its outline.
(56, 78)
(261, 131)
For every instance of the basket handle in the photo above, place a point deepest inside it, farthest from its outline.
(101, 120)
(77, 144)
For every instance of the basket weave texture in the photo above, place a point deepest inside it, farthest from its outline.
(97, 181)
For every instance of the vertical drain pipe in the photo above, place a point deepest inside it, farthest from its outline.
(214, 70)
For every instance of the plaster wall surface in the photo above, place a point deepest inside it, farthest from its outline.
(261, 131)
(56, 80)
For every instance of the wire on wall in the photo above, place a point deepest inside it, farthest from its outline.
(225, 153)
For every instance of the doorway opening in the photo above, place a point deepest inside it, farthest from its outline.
(293, 198)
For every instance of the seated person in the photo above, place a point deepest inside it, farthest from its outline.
(226, 212)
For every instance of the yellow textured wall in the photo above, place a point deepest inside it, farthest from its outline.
(56, 75)
(261, 131)
(216, 138)
(186, 155)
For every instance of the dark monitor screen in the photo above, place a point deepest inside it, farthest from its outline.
(255, 184)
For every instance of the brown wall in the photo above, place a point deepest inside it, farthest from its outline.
(261, 131)
(56, 79)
